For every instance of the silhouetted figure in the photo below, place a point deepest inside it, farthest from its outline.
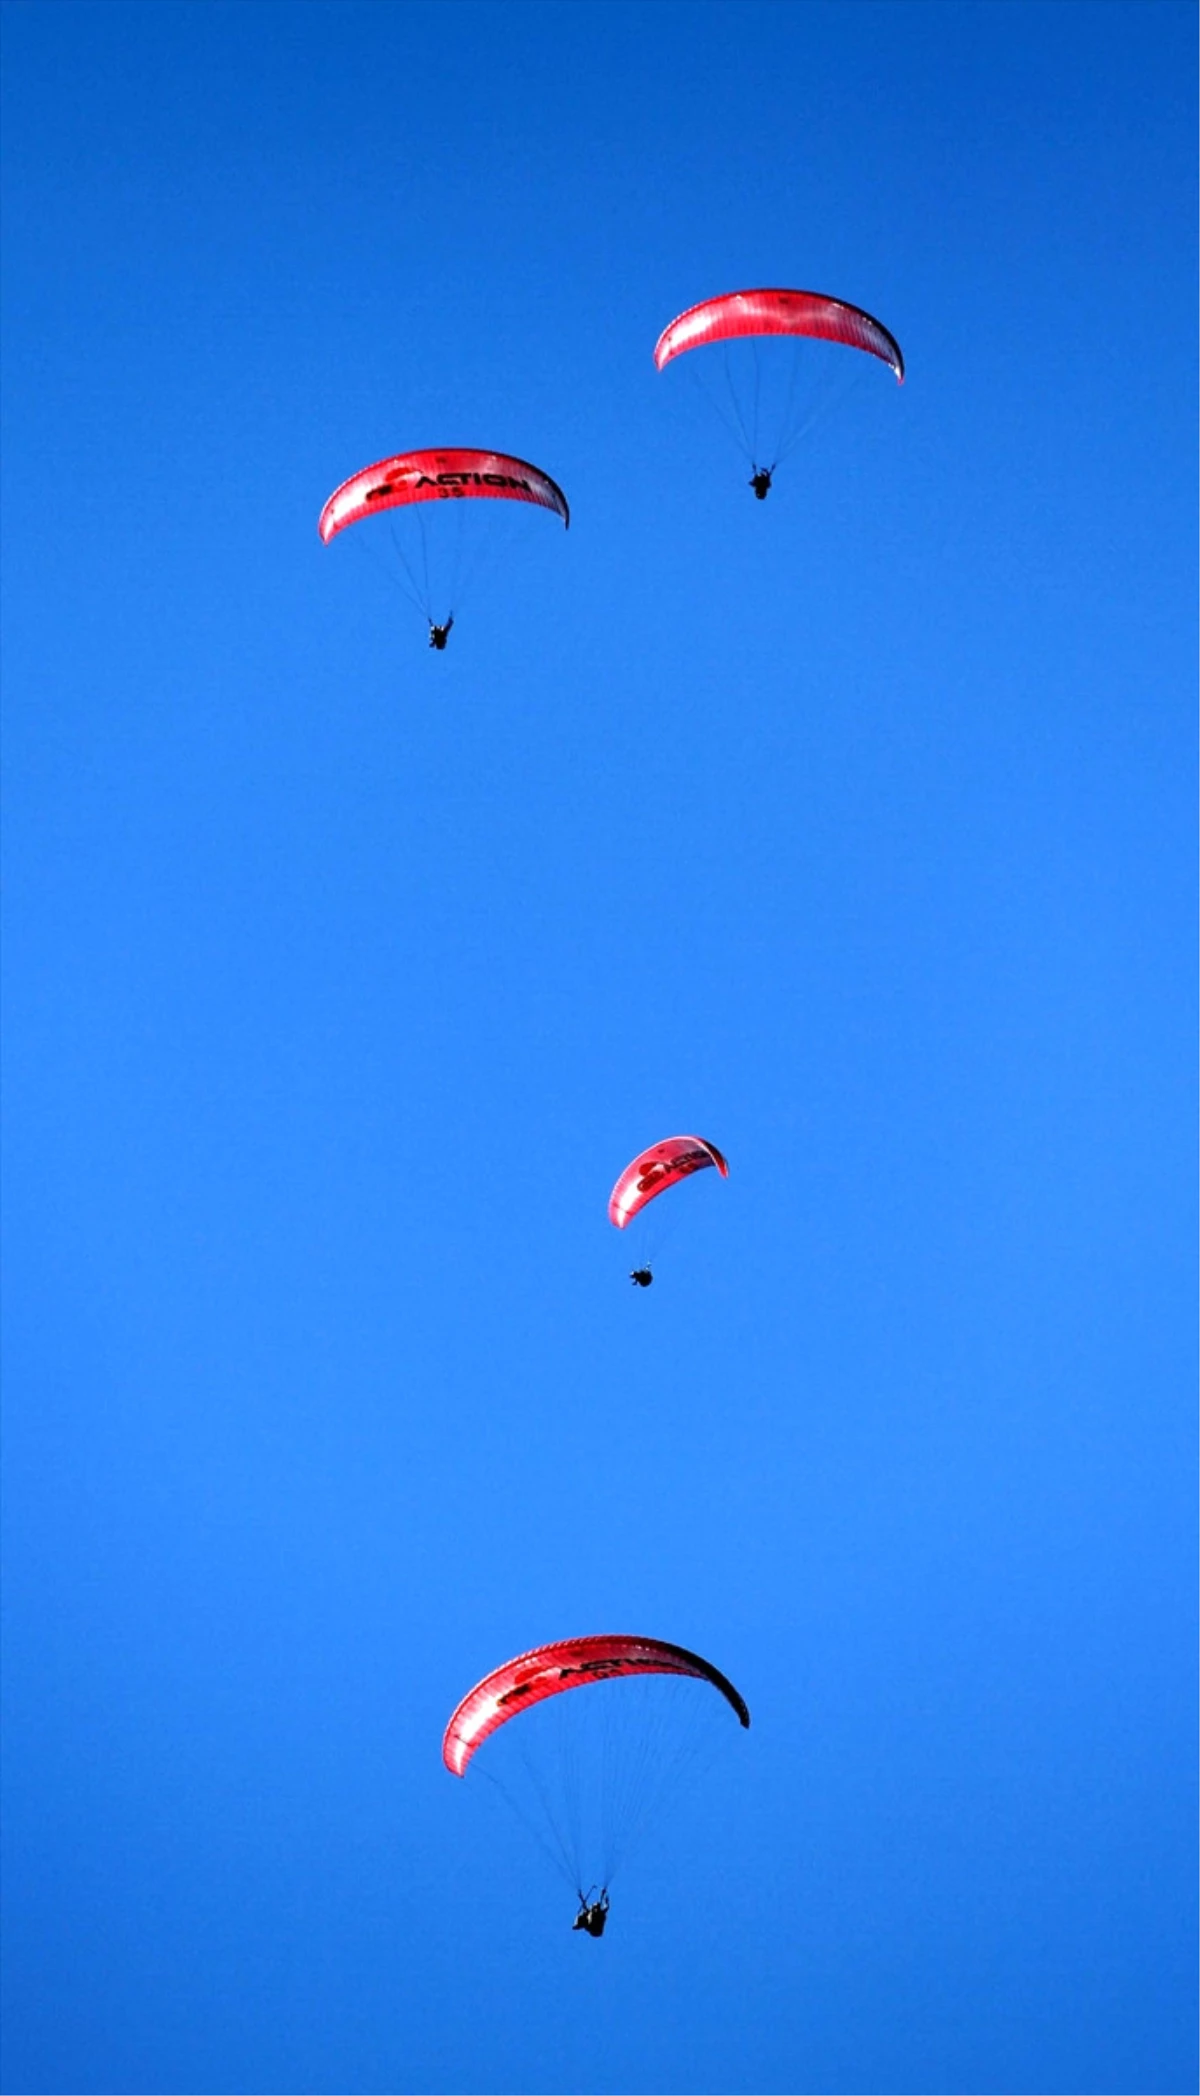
(592, 1914)
(641, 1277)
(760, 481)
(439, 635)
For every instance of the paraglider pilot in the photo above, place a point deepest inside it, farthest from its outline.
(760, 481)
(439, 635)
(641, 1277)
(592, 1914)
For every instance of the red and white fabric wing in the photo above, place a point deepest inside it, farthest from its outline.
(439, 476)
(742, 313)
(662, 1165)
(550, 1670)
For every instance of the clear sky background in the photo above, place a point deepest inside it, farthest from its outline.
(854, 830)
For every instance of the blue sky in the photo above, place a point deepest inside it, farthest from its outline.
(854, 830)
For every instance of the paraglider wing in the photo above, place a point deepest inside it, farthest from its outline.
(741, 313)
(662, 1165)
(438, 476)
(550, 1670)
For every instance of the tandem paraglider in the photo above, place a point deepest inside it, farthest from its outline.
(769, 403)
(585, 1778)
(438, 558)
(652, 1171)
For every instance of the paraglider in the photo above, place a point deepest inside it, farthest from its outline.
(569, 1805)
(408, 482)
(758, 415)
(652, 1171)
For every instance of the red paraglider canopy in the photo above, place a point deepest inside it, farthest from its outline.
(741, 313)
(438, 476)
(677, 1157)
(549, 1670)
